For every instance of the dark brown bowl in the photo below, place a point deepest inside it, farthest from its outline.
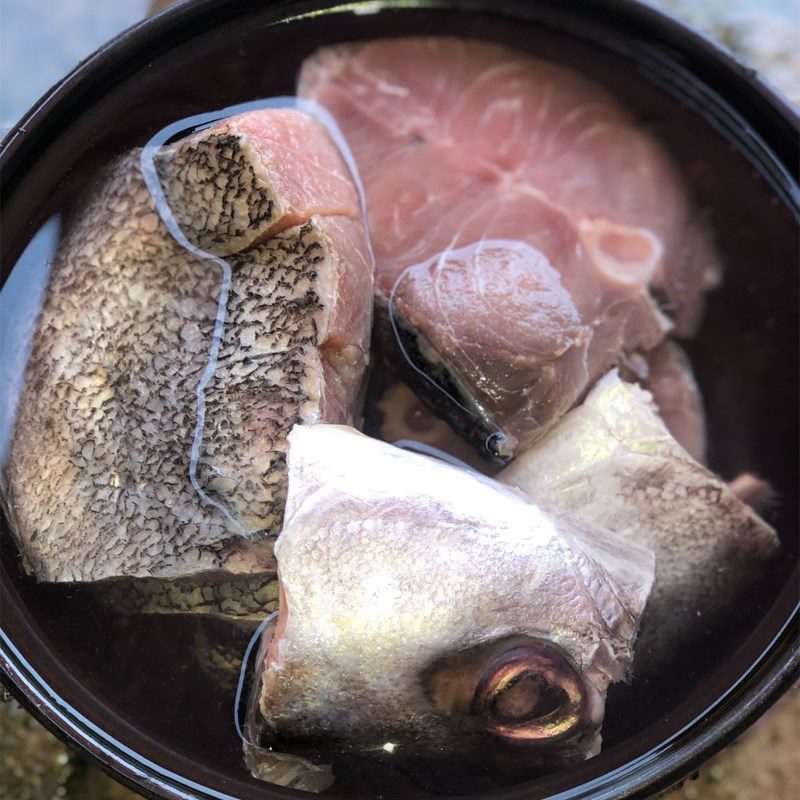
(127, 690)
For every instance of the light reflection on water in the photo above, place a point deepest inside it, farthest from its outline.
(20, 302)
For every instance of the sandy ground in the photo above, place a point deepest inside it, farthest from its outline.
(762, 764)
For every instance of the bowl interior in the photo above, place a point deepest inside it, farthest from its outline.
(136, 678)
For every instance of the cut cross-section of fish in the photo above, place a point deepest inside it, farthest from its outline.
(253, 176)
(162, 382)
(530, 123)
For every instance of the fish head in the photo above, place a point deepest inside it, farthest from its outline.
(427, 610)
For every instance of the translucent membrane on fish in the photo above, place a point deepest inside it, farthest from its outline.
(415, 594)
(208, 295)
(522, 219)
(612, 462)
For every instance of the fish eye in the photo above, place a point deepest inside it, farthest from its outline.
(531, 692)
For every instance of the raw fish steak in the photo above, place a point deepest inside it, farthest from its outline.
(415, 597)
(139, 451)
(487, 170)
(612, 461)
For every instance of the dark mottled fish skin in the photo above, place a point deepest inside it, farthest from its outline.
(97, 454)
(273, 297)
(219, 647)
(211, 186)
(97, 482)
(240, 598)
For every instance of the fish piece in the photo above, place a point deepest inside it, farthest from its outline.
(612, 461)
(236, 597)
(459, 142)
(414, 594)
(514, 360)
(251, 177)
(530, 123)
(520, 339)
(753, 490)
(671, 382)
(295, 348)
(219, 645)
(122, 463)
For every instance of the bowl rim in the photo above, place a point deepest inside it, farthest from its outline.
(755, 691)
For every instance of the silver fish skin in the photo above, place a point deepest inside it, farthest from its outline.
(612, 461)
(406, 581)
